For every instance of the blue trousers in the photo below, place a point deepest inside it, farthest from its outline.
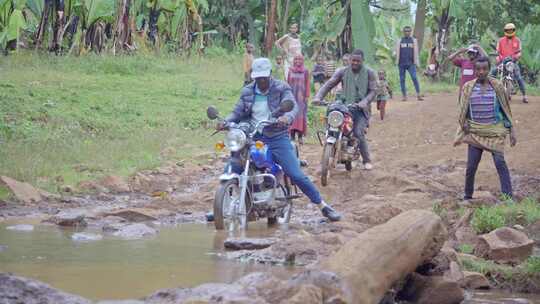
(474, 156)
(283, 153)
(412, 71)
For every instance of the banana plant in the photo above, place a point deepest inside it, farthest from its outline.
(12, 21)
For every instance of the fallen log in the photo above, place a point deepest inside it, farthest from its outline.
(379, 257)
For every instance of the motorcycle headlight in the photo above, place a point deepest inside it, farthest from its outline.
(235, 140)
(335, 119)
(510, 66)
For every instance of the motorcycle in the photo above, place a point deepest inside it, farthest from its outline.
(340, 144)
(262, 190)
(506, 70)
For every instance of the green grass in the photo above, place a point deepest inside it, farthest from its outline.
(110, 115)
(489, 218)
(466, 248)
(524, 277)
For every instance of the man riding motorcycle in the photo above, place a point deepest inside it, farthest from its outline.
(359, 88)
(258, 101)
(509, 46)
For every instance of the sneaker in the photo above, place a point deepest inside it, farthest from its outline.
(331, 214)
(303, 163)
(368, 166)
(420, 98)
(525, 100)
(210, 217)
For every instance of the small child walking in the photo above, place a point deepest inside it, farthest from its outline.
(318, 73)
(248, 60)
(384, 92)
(279, 70)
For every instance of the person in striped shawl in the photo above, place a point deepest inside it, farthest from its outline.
(485, 120)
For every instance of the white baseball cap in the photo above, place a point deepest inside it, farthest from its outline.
(261, 67)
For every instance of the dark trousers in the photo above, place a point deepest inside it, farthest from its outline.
(361, 121)
(474, 155)
(517, 76)
(412, 71)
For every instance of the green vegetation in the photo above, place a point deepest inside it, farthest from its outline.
(73, 119)
(489, 218)
(523, 278)
(466, 248)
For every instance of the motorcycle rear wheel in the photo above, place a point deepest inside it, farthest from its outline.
(348, 165)
(227, 194)
(325, 163)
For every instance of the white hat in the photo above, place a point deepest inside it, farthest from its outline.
(261, 67)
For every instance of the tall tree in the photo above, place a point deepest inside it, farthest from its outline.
(270, 27)
(420, 23)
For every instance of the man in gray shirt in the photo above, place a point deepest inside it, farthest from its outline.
(359, 84)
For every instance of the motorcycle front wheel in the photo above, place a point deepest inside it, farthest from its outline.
(226, 207)
(325, 163)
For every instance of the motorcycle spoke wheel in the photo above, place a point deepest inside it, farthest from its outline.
(227, 212)
(325, 163)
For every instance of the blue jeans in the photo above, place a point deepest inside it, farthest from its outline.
(283, 153)
(474, 155)
(412, 71)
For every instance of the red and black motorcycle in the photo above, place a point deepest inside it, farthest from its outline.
(339, 142)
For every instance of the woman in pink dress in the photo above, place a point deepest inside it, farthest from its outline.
(299, 81)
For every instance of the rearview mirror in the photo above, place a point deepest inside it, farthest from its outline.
(286, 106)
(212, 112)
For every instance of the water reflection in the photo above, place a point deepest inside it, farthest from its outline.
(187, 255)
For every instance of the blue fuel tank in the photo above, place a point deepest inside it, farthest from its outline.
(262, 158)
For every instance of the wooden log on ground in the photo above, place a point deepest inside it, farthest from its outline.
(372, 262)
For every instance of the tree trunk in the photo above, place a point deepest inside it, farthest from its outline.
(285, 19)
(379, 257)
(122, 31)
(420, 23)
(43, 23)
(271, 27)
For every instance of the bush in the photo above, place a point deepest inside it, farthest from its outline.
(487, 219)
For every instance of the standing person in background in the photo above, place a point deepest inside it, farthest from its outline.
(467, 64)
(248, 61)
(484, 123)
(407, 57)
(384, 92)
(509, 46)
(291, 46)
(279, 71)
(346, 59)
(300, 83)
(318, 73)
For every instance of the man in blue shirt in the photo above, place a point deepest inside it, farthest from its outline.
(407, 57)
(258, 100)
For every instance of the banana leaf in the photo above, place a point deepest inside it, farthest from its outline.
(36, 7)
(13, 29)
(100, 9)
(361, 19)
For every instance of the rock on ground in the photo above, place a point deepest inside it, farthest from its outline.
(474, 280)
(135, 231)
(21, 227)
(134, 215)
(24, 192)
(379, 257)
(504, 245)
(69, 218)
(15, 289)
(115, 184)
(430, 290)
(86, 237)
(248, 243)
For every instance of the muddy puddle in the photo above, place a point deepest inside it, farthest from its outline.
(186, 255)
